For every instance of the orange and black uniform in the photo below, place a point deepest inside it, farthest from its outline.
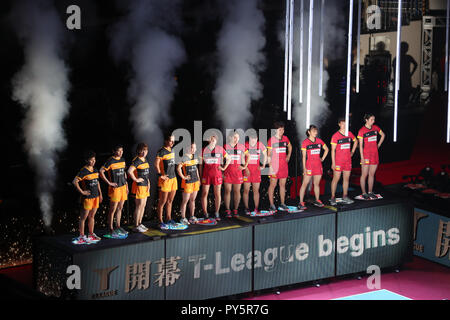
(88, 181)
(189, 167)
(167, 167)
(116, 174)
(141, 190)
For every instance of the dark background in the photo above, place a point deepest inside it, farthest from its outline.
(99, 112)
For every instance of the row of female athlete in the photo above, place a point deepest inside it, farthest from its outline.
(233, 165)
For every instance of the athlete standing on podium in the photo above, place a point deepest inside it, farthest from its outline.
(167, 182)
(368, 148)
(341, 161)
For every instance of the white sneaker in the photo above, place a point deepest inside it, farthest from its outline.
(184, 221)
(143, 227)
(193, 220)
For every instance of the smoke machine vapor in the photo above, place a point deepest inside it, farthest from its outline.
(41, 88)
(240, 45)
(143, 40)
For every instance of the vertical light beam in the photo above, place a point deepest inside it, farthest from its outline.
(349, 65)
(397, 66)
(446, 46)
(300, 87)
(308, 101)
(286, 54)
(291, 40)
(321, 49)
(358, 54)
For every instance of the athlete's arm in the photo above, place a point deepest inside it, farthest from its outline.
(325, 147)
(355, 145)
(227, 162)
(103, 176)
(180, 172)
(333, 156)
(132, 176)
(361, 148)
(157, 162)
(265, 159)
(77, 186)
(100, 193)
(288, 156)
(244, 162)
(381, 139)
(304, 161)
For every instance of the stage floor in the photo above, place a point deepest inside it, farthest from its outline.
(64, 242)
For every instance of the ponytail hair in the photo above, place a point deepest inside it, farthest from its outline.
(367, 116)
(310, 128)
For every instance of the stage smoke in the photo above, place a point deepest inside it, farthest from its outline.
(239, 46)
(334, 39)
(144, 40)
(41, 87)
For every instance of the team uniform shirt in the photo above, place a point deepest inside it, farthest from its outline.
(189, 168)
(279, 149)
(313, 162)
(233, 174)
(88, 181)
(254, 162)
(370, 144)
(167, 163)
(343, 155)
(212, 159)
(116, 171)
(141, 170)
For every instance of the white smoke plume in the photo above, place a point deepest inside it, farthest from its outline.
(41, 87)
(241, 59)
(142, 39)
(334, 38)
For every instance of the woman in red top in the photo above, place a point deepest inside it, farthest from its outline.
(368, 148)
(233, 178)
(252, 174)
(312, 164)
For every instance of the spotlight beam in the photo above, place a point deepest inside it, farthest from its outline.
(286, 56)
(308, 101)
(358, 54)
(349, 65)
(300, 95)
(291, 40)
(321, 50)
(397, 66)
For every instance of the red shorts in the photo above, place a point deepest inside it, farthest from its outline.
(370, 158)
(212, 177)
(233, 175)
(314, 169)
(343, 166)
(281, 171)
(254, 176)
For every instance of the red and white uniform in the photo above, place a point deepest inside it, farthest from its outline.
(279, 149)
(233, 174)
(212, 159)
(343, 155)
(370, 144)
(313, 162)
(254, 154)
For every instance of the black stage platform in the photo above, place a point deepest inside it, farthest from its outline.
(238, 255)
